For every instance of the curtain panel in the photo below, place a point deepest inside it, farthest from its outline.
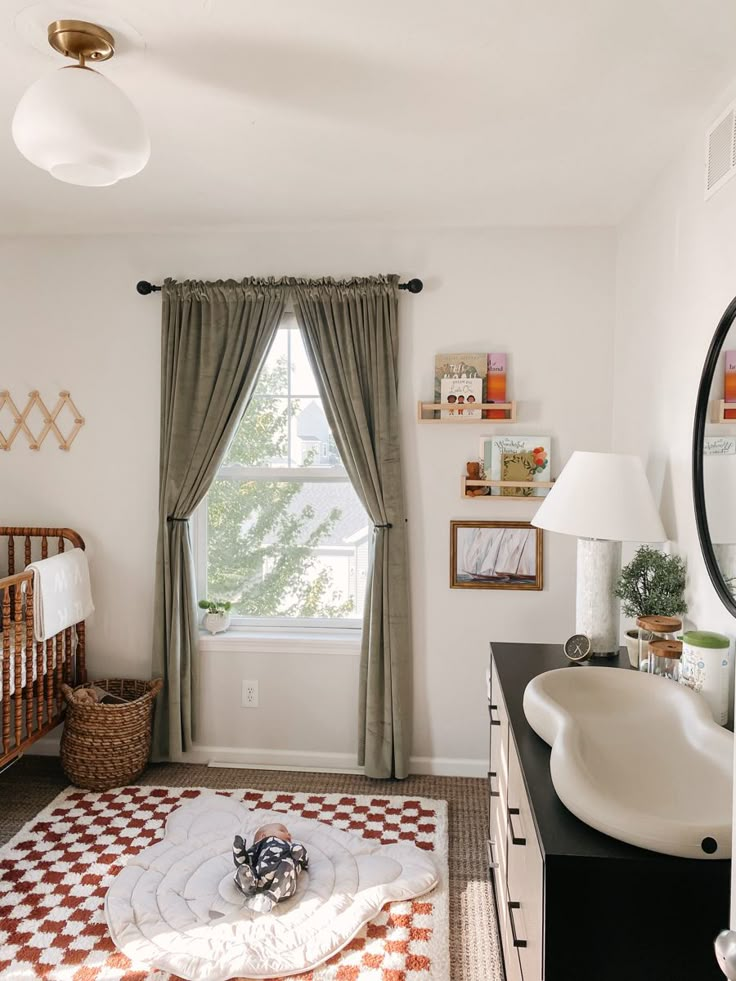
(214, 341)
(350, 331)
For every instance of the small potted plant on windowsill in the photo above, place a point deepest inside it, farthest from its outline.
(217, 617)
(652, 584)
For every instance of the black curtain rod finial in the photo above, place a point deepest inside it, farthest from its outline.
(414, 286)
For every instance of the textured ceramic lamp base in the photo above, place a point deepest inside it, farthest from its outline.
(597, 610)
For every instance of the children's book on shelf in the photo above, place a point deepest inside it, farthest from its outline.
(462, 393)
(495, 385)
(536, 466)
(460, 366)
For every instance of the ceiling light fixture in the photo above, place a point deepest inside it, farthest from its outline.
(75, 123)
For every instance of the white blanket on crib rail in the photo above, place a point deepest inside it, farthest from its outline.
(61, 592)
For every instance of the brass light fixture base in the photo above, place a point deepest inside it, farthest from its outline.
(78, 39)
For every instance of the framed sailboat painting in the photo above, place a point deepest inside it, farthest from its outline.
(495, 555)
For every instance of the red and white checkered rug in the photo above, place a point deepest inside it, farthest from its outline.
(55, 872)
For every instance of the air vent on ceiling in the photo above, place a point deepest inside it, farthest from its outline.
(720, 153)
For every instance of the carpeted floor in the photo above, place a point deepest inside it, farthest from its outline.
(32, 782)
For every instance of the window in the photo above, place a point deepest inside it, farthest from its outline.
(287, 539)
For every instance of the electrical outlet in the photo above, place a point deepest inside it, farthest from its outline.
(250, 694)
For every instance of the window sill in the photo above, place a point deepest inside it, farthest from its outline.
(284, 641)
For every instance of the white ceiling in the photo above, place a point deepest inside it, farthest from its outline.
(416, 112)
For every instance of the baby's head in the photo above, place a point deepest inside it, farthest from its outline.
(272, 831)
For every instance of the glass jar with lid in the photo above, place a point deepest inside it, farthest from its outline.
(664, 658)
(653, 628)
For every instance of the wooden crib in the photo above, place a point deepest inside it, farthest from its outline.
(32, 673)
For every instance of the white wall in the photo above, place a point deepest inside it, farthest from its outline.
(676, 273)
(72, 319)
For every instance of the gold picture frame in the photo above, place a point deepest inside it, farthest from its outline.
(496, 555)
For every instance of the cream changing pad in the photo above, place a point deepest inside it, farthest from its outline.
(175, 905)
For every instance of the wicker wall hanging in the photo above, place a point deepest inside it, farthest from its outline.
(63, 408)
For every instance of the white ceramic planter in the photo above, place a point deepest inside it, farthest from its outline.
(632, 646)
(216, 623)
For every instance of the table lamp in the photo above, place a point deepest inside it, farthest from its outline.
(603, 499)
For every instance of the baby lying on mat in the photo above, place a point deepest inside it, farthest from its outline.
(267, 872)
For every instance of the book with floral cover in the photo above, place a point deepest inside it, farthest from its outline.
(493, 448)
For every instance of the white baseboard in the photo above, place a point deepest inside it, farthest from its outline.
(441, 766)
(273, 759)
(305, 761)
(286, 768)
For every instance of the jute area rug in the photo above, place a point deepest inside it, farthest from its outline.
(55, 872)
(33, 782)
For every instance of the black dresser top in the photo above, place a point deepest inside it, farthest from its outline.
(560, 832)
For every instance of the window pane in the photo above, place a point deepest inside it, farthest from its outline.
(262, 438)
(302, 377)
(287, 549)
(274, 377)
(312, 444)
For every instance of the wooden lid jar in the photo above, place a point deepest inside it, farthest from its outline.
(666, 648)
(660, 625)
(664, 658)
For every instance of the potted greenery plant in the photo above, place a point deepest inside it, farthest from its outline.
(652, 584)
(217, 617)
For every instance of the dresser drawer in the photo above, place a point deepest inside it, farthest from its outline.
(498, 830)
(524, 875)
(511, 960)
(499, 719)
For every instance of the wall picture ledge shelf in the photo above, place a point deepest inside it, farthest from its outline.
(718, 411)
(426, 412)
(466, 482)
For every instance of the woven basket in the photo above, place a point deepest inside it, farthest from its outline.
(106, 746)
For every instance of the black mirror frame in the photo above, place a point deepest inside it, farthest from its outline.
(701, 417)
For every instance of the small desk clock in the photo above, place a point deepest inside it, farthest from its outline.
(577, 648)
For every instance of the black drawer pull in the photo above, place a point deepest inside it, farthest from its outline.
(517, 942)
(514, 811)
(491, 709)
(492, 864)
(491, 775)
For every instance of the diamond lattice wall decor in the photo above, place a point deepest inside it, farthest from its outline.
(63, 409)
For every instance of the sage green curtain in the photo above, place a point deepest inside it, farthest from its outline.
(214, 340)
(350, 331)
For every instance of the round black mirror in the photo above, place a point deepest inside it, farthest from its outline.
(714, 461)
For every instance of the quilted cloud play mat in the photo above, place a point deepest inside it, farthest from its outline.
(151, 869)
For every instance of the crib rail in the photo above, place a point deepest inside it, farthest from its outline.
(32, 672)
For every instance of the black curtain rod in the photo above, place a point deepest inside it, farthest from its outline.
(144, 287)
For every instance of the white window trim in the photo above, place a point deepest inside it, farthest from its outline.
(283, 641)
(311, 475)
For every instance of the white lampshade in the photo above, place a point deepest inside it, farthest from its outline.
(81, 128)
(605, 496)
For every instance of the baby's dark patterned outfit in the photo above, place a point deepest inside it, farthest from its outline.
(267, 872)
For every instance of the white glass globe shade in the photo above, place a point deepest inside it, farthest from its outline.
(81, 128)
